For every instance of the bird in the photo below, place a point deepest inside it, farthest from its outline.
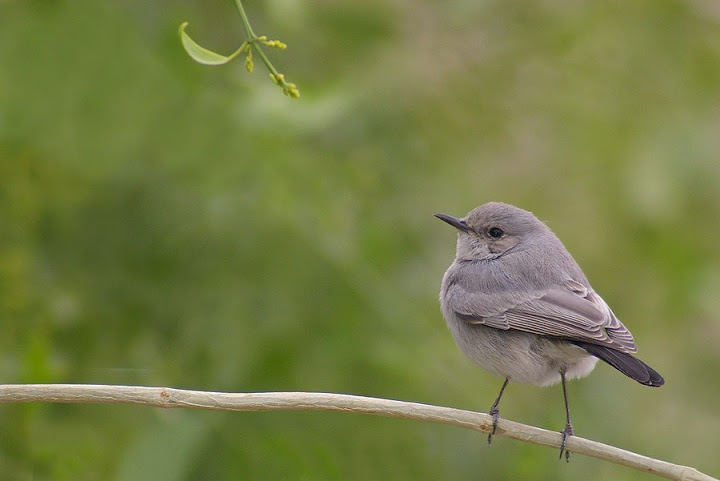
(518, 305)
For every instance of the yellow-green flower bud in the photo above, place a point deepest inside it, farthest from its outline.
(276, 44)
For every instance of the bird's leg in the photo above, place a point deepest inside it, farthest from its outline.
(495, 412)
(568, 431)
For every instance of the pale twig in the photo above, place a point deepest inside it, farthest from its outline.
(308, 401)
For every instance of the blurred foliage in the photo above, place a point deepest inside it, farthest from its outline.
(163, 223)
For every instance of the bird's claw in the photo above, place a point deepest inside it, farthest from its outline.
(495, 413)
(568, 431)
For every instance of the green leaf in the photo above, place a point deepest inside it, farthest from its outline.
(198, 53)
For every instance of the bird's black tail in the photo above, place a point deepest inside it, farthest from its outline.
(631, 366)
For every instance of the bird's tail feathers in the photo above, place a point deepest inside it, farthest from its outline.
(627, 364)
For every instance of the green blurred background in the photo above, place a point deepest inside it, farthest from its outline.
(164, 223)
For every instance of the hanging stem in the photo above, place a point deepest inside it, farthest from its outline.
(252, 43)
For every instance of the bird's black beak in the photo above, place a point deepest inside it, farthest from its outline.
(459, 224)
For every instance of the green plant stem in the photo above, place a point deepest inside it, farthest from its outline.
(238, 51)
(254, 43)
(265, 60)
(248, 29)
(252, 39)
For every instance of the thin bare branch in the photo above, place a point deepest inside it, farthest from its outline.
(308, 401)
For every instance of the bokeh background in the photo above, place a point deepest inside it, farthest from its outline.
(165, 223)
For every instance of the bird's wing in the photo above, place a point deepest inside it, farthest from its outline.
(569, 311)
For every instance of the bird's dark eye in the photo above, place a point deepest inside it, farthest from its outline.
(495, 232)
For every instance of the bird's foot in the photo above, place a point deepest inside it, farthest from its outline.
(495, 413)
(568, 431)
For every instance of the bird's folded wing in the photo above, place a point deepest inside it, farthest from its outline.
(569, 312)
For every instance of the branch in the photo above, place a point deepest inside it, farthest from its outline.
(308, 401)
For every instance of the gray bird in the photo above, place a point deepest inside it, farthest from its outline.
(518, 305)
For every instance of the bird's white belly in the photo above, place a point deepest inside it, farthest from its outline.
(523, 357)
